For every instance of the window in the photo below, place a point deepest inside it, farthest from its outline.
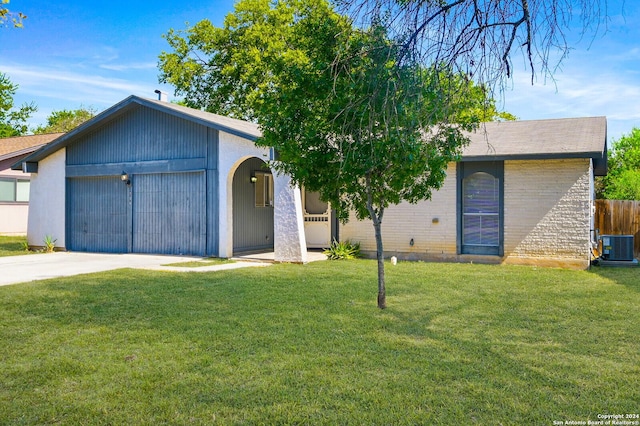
(264, 189)
(480, 222)
(13, 190)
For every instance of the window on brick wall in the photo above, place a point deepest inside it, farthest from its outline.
(480, 208)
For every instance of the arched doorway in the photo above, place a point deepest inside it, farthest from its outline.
(252, 194)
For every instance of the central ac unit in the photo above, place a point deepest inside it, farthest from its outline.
(617, 247)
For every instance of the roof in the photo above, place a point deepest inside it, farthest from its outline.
(541, 139)
(21, 145)
(233, 126)
(494, 141)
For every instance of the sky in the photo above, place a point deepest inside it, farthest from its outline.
(73, 54)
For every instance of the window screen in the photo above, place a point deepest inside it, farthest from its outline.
(481, 210)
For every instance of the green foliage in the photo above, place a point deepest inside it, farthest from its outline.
(49, 244)
(13, 122)
(348, 115)
(623, 178)
(343, 250)
(65, 120)
(7, 16)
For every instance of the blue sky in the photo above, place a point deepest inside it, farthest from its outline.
(94, 54)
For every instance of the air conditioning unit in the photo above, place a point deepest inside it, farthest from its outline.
(617, 247)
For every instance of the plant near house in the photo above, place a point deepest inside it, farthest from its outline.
(49, 244)
(342, 250)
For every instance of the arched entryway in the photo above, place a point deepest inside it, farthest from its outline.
(252, 194)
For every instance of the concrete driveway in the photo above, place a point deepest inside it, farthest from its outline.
(19, 269)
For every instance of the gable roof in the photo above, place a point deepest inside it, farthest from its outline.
(233, 126)
(21, 145)
(541, 139)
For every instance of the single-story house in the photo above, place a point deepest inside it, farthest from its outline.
(147, 176)
(14, 185)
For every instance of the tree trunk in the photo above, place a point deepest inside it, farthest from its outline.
(376, 218)
(382, 294)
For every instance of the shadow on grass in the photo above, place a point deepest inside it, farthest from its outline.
(628, 277)
(306, 344)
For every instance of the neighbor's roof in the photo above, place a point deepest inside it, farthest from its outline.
(20, 145)
(541, 139)
(233, 126)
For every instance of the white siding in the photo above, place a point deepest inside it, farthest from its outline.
(47, 201)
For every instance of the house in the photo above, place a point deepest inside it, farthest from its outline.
(14, 185)
(522, 193)
(147, 176)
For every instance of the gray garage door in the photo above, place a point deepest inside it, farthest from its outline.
(158, 213)
(97, 215)
(169, 214)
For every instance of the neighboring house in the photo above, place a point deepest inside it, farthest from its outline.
(147, 176)
(14, 185)
(523, 193)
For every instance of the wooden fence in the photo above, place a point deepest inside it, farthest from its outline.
(619, 217)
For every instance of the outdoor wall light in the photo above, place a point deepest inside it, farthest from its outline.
(254, 179)
(125, 178)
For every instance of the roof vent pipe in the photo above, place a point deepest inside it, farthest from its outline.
(162, 96)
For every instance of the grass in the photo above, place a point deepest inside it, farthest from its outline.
(13, 245)
(290, 344)
(210, 261)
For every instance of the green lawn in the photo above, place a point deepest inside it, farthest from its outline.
(289, 344)
(12, 245)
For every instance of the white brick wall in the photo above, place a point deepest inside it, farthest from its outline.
(547, 210)
(546, 218)
(431, 225)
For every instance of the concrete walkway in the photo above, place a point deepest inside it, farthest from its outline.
(32, 267)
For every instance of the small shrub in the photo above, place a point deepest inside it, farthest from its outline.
(25, 246)
(343, 250)
(49, 243)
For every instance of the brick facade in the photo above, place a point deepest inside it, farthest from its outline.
(547, 217)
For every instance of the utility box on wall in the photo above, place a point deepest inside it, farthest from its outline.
(617, 247)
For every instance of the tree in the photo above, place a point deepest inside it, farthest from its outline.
(6, 15)
(13, 122)
(622, 181)
(65, 120)
(482, 37)
(346, 119)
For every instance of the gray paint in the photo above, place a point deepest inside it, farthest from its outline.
(97, 215)
(212, 192)
(252, 226)
(168, 213)
(464, 169)
(171, 204)
(139, 136)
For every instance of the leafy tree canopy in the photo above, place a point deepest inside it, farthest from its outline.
(13, 122)
(345, 117)
(623, 179)
(7, 16)
(65, 120)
